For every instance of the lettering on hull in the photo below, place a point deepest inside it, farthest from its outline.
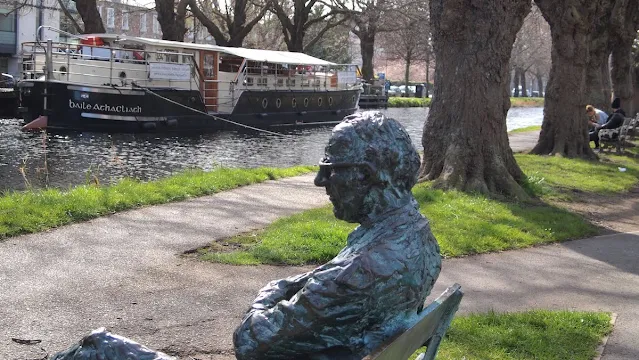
(121, 109)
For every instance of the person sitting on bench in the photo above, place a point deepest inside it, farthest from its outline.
(614, 121)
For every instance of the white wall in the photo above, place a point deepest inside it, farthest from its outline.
(28, 24)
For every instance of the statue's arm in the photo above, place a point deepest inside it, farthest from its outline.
(279, 290)
(324, 302)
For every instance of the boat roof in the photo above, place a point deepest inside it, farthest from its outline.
(270, 56)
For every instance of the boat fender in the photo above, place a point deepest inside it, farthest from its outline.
(149, 125)
(171, 122)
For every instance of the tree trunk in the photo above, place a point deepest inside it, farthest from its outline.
(91, 18)
(407, 73)
(516, 80)
(540, 85)
(564, 130)
(622, 75)
(465, 139)
(599, 51)
(524, 90)
(171, 22)
(606, 82)
(427, 87)
(625, 24)
(596, 93)
(367, 47)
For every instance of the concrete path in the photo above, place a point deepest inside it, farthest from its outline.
(125, 272)
(523, 141)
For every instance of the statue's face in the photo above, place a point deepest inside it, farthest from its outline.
(347, 183)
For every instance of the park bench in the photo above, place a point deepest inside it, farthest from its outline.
(619, 138)
(428, 331)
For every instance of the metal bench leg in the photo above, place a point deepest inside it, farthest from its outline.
(433, 343)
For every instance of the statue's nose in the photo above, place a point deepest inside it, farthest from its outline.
(320, 178)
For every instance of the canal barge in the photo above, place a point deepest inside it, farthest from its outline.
(116, 83)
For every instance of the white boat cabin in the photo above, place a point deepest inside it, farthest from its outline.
(219, 73)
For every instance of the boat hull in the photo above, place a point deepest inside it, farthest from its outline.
(119, 109)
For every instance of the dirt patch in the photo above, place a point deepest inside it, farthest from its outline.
(613, 213)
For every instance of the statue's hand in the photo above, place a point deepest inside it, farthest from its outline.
(279, 290)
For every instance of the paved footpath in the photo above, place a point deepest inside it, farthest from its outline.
(125, 272)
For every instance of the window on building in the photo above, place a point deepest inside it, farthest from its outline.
(142, 23)
(110, 18)
(7, 22)
(125, 20)
(156, 25)
(4, 64)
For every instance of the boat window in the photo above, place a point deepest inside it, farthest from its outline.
(230, 63)
(280, 82)
(262, 81)
(278, 103)
(317, 82)
(290, 82)
(162, 55)
(249, 81)
(306, 83)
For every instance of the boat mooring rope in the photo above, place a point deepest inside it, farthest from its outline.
(205, 113)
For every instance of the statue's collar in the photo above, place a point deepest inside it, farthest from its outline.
(405, 206)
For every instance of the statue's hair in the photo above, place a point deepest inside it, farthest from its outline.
(384, 143)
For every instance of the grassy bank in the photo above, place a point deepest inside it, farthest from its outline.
(395, 101)
(37, 210)
(540, 334)
(463, 224)
(526, 102)
(525, 129)
(559, 178)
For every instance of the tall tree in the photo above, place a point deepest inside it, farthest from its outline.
(625, 23)
(409, 42)
(172, 18)
(90, 15)
(564, 131)
(228, 22)
(598, 72)
(465, 139)
(531, 51)
(305, 13)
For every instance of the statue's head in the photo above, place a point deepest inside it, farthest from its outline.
(369, 164)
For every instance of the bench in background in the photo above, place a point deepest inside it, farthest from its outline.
(619, 137)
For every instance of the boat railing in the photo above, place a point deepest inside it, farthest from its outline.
(107, 65)
(268, 76)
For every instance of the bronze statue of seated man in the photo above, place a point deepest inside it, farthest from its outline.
(376, 285)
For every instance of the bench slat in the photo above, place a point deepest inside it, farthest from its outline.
(433, 322)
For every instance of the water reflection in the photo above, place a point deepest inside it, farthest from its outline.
(77, 158)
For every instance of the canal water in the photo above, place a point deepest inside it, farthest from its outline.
(61, 161)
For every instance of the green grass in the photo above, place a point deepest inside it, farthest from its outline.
(463, 224)
(538, 334)
(37, 210)
(395, 101)
(526, 129)
(526, 102)
(558, 177)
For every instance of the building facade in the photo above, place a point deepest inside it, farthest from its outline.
(21, 25)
